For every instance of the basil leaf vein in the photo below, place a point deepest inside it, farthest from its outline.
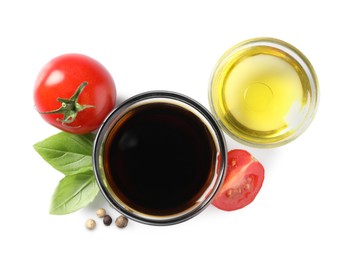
(67, 153)
(73, 193)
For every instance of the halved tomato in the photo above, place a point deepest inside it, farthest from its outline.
(244, 178)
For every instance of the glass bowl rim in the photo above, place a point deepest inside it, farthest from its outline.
(112, 119)
(295, 54)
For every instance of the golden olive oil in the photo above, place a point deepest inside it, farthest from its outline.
(260, 94)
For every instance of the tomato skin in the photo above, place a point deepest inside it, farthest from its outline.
(61, 77)
(244, 179)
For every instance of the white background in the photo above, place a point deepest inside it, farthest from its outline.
(305, 209)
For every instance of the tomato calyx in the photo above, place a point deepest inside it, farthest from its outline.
(70, 107)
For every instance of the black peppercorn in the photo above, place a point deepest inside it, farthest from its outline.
(107, 220)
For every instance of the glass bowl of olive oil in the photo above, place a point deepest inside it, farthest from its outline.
(264, 92)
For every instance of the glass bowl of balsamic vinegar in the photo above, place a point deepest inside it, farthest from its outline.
(160, 158)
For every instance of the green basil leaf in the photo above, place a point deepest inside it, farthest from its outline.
(68, 153)
(73, 193)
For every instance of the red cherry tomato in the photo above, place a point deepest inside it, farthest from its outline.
(74, 93)
(244, 178)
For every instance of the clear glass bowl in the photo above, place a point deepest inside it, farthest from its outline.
(264, 92)
(117, 196)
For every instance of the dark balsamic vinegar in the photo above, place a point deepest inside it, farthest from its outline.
(159, 158)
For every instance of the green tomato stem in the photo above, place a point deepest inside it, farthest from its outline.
(70, 107)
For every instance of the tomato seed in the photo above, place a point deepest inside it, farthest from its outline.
(233, 191)
(234, 163)
(229, 192)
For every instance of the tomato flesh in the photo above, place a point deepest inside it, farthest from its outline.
(55, 89)
(244, 178)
